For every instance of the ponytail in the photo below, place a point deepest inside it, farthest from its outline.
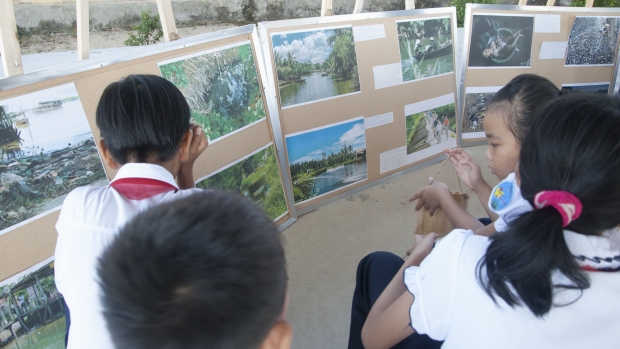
(525, 257)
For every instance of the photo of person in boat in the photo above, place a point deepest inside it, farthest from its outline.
(501, 41)
(425, 47)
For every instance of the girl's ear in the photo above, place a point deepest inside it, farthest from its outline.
(517, 175)
(107, 157)
(186, 141)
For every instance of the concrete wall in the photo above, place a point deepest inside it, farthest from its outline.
(35, 15)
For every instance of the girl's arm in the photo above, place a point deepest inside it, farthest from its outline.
(470, 174)
(388, 322)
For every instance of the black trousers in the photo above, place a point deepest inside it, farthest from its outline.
(374, 273)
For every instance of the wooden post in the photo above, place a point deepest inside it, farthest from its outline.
(359, 4)
(83, 29)
(522, 2)
(550, 2)
(326, 8)
(409, 4)
(589, 3)
(9, 44)
(164, 7)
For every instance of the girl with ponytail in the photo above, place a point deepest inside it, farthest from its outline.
(552, 280)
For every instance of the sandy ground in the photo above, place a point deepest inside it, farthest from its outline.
(99, 39)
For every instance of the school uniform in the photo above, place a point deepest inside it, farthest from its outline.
(89, 220)
(450, 305)
(507, 202)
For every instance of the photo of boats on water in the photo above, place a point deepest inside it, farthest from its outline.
(326, 159)
(32, 312)
(425, 47)
(46, 150)
(315, 65)
(257, 177)
(221, 87)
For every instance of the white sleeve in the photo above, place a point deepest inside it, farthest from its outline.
(433, 286)
(500, 225)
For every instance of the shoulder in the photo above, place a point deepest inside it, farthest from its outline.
(81, 200)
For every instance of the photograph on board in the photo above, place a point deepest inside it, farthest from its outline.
(430, 127)
(221, 87)
(315, 65)
(46, 150)
(501, 41)
(602, 87)
(327, 159)
(476, 105)
(592, 41)
(32, 312)
(425, 47)
(257, 177)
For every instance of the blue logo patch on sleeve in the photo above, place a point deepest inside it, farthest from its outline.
(502, 195)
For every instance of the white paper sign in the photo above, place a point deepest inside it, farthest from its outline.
(393, 159)
(553, 50)
(547, 23)
(378, 120)
(387, 75)
(369, 32)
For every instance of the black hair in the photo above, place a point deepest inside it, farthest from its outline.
(206, 271)
(520, 99)
(572, 146)
(142, 117)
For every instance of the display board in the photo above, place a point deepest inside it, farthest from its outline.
(360, 97)
(575, 48)
(48, 133)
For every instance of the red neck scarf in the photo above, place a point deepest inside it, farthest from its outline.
(141, 188)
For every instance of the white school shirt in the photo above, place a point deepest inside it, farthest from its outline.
(89, 220)
(507, 202)
(450, 305)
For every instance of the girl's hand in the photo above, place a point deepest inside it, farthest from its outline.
(466, 168)
(422, 247)
(431, 196)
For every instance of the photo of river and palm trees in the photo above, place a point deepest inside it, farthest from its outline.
(46, 150)
(32, 312)
(430, 127)
(256, 177)
(327, 159)
(315, 65)
(221, 88)
(425, 48)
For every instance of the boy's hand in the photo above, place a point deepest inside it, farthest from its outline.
(466, 168)
(431, 196)
(422, 247)
(198, 144)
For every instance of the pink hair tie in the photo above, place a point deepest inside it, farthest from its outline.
(564, 202)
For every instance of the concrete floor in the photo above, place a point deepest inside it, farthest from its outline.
(323, 248)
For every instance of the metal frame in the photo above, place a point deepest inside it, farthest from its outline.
(541, 9)
(274, 110)
(136, 53)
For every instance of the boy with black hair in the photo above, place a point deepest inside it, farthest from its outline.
(207, 271)
(146, 134)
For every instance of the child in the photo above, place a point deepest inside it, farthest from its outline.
(552, 278)
(146, 134)
(207, 271)
(508, 117)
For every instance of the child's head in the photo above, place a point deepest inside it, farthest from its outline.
(572, 147)
(142, 118)
(207, 271)
(508, 117)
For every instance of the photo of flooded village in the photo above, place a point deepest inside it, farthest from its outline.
(327, 159)
(315, 65)
(476, 105)
(425, 48)
(32, 310)
(46, 150)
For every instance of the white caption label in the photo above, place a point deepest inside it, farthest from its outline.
(378, 120)
(552, 50)
(369, 32)
(393, 159)
(387, 75)
(547, 23)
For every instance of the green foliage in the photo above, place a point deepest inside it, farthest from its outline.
(257, 177)
(597, 3)
(148, 32)
(460, 8)
(248, 10)
(175, 73)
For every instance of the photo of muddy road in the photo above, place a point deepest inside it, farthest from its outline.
(593, 41)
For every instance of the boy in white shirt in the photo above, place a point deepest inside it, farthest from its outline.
(146, 134)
